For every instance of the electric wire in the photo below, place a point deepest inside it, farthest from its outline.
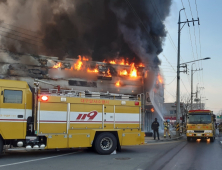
(189, 30)
(184, 86)
(189, 33)
(144, 25)
(18, 27)
(171, 81)
(20, 40)
(168, 62)
(199, 77)
(21, 32)
(170, 38)
(199, 42)
(170, 93)
(20, 36)
(135, 13)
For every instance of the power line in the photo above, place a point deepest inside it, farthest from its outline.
(170, 38)
(190, 9)
(131, 7)
(189, 34)
(20, 36)
(169, 62)
(21, 32)
(189, 30)
(20, 40)
(169, 93)
(199, 40)
(19, 27)
(171, 81)
(194, 32)
(184, 86)
(134, 12)
(199, 77)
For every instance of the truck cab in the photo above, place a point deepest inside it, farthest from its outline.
(201, 125)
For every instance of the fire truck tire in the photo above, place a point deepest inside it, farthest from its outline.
(188, 139)
(105, 143)
(1, 145)
(212, 139)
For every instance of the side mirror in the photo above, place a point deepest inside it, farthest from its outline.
(214, 120)
(214, 116)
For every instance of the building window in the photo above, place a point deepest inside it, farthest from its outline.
(12, 96)
(172, 112)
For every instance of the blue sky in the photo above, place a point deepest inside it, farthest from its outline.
(210, 27)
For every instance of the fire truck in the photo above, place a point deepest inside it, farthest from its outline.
(36, 118)
(201, 125)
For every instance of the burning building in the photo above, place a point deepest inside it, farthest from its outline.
(115, 76)
(106, 45)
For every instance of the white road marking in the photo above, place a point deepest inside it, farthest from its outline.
(37, 159)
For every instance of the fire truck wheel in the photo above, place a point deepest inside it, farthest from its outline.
(212, 139)
(105, 143)
(188, 139)
(1, 145)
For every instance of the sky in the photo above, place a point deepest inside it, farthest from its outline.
(196, 42)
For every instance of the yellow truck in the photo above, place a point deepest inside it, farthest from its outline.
(35, 118)
(201, 125)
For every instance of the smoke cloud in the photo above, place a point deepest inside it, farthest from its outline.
(101, 29)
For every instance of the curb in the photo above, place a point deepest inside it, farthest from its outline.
(164, 140)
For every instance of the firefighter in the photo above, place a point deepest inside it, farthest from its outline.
(166, 128)
(155, 127)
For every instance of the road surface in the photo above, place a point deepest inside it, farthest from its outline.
(170, 155)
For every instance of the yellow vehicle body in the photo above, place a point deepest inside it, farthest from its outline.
(66, 121)
(201, 125)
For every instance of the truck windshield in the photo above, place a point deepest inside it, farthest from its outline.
(199, 119)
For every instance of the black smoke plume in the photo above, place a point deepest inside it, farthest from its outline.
(101, 29)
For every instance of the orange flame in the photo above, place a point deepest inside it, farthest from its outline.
(124, 73)
(92, 71)
(108, 73)
(78, 64)
(58, 65)
(117, 83)
(141, 65)
(152, 110)
(112, 62)
(160, 79)
(133, 71)
(122, 62)
(85, 59)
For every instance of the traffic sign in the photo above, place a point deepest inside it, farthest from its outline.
(219, 117)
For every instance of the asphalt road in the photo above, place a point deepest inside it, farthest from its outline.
(173, 155)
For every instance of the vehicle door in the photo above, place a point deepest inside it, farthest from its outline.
(12, 116)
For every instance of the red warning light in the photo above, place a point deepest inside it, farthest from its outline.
(136, 103)
(44, 98)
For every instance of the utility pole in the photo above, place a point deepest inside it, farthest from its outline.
(178, 66)
(200, 96)
(192, 72)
